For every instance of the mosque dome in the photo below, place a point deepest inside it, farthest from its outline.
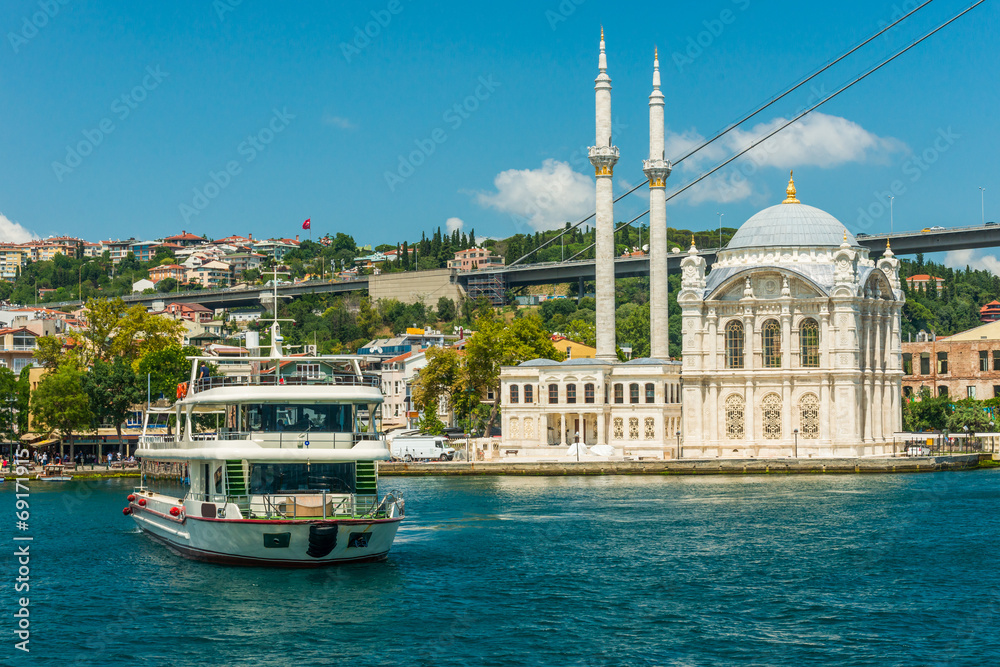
(791, 224)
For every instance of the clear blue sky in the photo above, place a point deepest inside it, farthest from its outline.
(331, 114)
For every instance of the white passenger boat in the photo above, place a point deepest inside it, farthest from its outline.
(289, 477)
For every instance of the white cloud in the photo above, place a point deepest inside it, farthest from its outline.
(974, 259)
(818, 140)
(339, 122)
(543, 198)
(11, 232)
(451, 224)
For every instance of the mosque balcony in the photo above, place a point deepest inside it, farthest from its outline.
(603, 158)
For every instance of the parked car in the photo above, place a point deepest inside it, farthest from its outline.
(422, 447)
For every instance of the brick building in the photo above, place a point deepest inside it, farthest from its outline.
(966, 365)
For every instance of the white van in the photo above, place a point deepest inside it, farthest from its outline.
(419, 447)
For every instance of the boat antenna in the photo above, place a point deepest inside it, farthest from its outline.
(276, 337)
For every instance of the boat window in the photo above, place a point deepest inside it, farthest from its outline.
(317, 418)
(291, 477)
(218, 479)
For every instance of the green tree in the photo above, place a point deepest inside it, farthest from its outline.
(166, 368)
(60, 405)
(8, 405)
(970, 415)
(113, 391)
(929, 413)
(50, 351)
(496, 344)
(115, 330)
(430, 423)
(446, 309)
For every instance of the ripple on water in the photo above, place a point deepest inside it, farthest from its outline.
(847, 570)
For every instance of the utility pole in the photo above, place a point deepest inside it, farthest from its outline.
(982, 203)
(890, 213)
(720, 228)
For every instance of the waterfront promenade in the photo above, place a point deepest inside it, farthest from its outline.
(557, 468)
(693, 466)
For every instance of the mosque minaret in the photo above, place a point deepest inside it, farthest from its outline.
(603, 155)
(657, 169)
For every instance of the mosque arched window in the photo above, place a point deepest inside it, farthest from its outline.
(809, 339)
(734, 344)
(571, 393)
(514, 393)
(771, 413)
(619, 397)
(771, 337)
(588, 393)
(553, 393)
(809, 416)
(650, 393)
(529, 394)
(735, 413)
(633, 393)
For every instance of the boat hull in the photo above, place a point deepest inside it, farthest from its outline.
(277, 543)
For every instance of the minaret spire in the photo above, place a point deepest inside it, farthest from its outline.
(657, 169)
(604, 155)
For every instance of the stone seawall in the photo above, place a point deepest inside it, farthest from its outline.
(690, 467)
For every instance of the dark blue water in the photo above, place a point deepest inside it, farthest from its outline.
(825, 570)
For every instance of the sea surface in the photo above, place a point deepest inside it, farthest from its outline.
(756, 570)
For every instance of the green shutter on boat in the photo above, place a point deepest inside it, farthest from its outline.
(366, 482)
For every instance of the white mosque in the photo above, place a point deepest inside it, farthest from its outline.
(791, 344)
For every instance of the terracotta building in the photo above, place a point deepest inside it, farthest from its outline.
(990, 312)
(966, 365)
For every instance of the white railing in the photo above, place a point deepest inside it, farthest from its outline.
(228, 435)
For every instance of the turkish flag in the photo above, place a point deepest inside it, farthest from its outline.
(307, 224)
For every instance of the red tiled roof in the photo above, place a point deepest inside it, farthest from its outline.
(183, 236)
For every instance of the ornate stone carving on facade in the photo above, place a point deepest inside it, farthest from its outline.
(889, 265)
(692, 276)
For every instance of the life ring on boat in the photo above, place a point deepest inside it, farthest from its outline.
(175, 511)
(126, 511)
(182, 390)
(142, 502)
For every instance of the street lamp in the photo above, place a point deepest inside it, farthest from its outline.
(680, 452)
(890, 214)
(795, 432)
(982, 203)
(720, 228)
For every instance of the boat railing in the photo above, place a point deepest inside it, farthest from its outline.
(313, 505)
(157, 441)
(345, 379)
(226, 435)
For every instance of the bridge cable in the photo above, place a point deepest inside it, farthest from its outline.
(736, 124)
(760, 140)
